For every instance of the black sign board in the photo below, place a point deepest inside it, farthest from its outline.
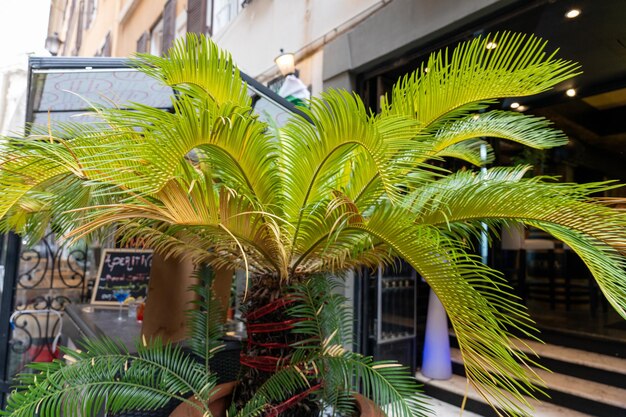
(122, 269)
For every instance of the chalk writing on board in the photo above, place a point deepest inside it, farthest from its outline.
(122, 268)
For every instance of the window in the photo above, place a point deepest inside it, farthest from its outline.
(160, 37)
(142, 42)
(156, 38)
(91, 9)
(105, 49)
(199, 16)
(224, 12)
(169, 25)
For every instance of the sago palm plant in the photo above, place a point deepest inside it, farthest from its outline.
(335, 190)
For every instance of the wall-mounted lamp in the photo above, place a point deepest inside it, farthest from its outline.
(53, 44)
(286, 62)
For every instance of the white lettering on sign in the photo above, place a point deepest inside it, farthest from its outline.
(128, 262)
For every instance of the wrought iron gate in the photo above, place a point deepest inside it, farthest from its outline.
(37, 285)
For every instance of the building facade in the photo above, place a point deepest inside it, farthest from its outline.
(365, 45)
(13, 80)
(253, 31)
(115, 27)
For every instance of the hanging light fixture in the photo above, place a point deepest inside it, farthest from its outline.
(286, 62)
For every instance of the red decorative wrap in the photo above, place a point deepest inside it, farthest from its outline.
(270, 345)
(274, 411)
(278, 326)
(262, 363)
(269, 363)
(270, 308)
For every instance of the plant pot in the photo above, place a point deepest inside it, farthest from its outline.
(367, 407)
(218, 405)
(220, 401)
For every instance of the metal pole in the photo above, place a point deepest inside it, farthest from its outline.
(11, 266)
(484, 240)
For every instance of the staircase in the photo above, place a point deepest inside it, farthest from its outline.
(581, 384)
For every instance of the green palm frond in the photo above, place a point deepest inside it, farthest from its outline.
(326, 318)
(227, 137)
(430, 198)
(313, 154)
(106, 377)
(387, 383)
(478, 303)
(534, 132)
(500, 195)
(279, 387)
(26, 165)
(459, 138)
(519, 66)
(197, 66)
(470, 151)
(205, 319)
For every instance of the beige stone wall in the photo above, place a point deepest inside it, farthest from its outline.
(124, 20)
(95, 35)
(257, 34)
(311, 71)
(254, 37)
(142, 18)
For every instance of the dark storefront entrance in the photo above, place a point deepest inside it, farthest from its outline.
(553, 282)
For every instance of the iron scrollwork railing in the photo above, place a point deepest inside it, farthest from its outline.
(36, 335)
(50, 277)
(50, 260)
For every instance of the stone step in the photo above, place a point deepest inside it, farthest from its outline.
(453, 390)
(605, 369)
(575, 356)
(443, 409)
(581, 394)
(584, 341)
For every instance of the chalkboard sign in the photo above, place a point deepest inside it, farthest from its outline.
(122, 269)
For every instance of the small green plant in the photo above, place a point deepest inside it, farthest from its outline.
(107, 377)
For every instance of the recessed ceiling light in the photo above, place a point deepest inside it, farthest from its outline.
(570, 92)
(522, 108)
(572, 13)
(491, 45)
(514, 105)
(425, 69)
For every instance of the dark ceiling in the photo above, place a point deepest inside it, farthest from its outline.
(595, 119)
